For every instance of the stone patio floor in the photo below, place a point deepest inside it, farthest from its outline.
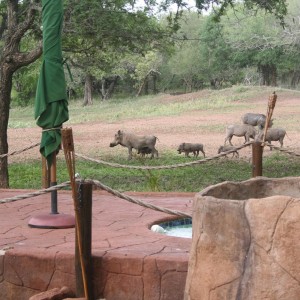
(121, 239)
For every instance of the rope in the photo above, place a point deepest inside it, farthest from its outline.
(102, 186)
(136, 201)
(37, 193)
(115, 165)
(19, 151)
(50, 129)
(123, 196)
(283, 150)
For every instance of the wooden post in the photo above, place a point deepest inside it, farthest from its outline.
(45, 173)
(257, 151)
(84, 207)
(271, 106)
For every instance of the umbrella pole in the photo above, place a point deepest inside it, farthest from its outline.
(53, 182)
(52, 220)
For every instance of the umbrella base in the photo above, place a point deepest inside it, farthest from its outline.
(52, 221)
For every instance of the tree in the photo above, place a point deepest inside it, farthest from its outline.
(220, 7)
(16, 23)
(258, 40)
(201, 57)
(101, 43)
(147, 70)
(186, 63)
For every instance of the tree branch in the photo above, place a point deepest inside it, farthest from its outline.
(17, 31)
(21, 59)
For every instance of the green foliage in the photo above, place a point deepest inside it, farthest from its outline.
(119, 109)
(98, 42)
(275, 7)
(187, 179)
(25, 82)
(198, 54)
(190, 179)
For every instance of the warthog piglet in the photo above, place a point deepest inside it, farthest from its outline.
(187, 148)
(143, 151)
(228, 148)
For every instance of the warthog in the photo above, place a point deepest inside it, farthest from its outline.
(247, 131)
(256, 120)
(189, 147)
(273, 135)
(228, 148)
(132, 141)
(143, 151)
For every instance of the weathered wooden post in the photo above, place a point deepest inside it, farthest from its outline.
(45, 174)
(79, 202)
(258, 147)
(257, 154)
(84, 205)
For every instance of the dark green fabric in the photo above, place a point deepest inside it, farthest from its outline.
(51, 105)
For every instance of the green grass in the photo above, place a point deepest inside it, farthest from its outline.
(219, 101)
(187, 179)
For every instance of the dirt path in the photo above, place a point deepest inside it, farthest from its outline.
(203, 127)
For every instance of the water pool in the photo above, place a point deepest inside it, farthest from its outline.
(180, 231)
(180, 228)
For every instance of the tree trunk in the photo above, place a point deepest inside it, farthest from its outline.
(269, 74)
(88, 88)
(141, 86)
(154, 78)
(112, 81)
(11, 59)
(295, 79)
(146, 86)
(103, 92)
(5, 90)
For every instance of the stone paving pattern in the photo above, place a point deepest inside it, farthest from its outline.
(129, 260)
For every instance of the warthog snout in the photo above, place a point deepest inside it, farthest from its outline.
(113, 144)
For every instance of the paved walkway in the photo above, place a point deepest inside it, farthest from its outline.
(129, 260)
(117, 225)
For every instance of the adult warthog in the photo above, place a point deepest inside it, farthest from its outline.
(247, 131)
(273, 135)
(255, 119)
(132, 141)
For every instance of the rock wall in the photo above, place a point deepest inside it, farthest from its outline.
(115, 277)
(246, 249)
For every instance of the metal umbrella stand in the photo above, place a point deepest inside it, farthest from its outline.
(51, 107)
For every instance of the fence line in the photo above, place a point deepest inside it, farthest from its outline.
(119, 194)
(37, 193)
(103, 187)
(195, 162)
(19, 151)
(136, 201)
(284, 150)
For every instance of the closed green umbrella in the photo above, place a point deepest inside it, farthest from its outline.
(51, 105)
